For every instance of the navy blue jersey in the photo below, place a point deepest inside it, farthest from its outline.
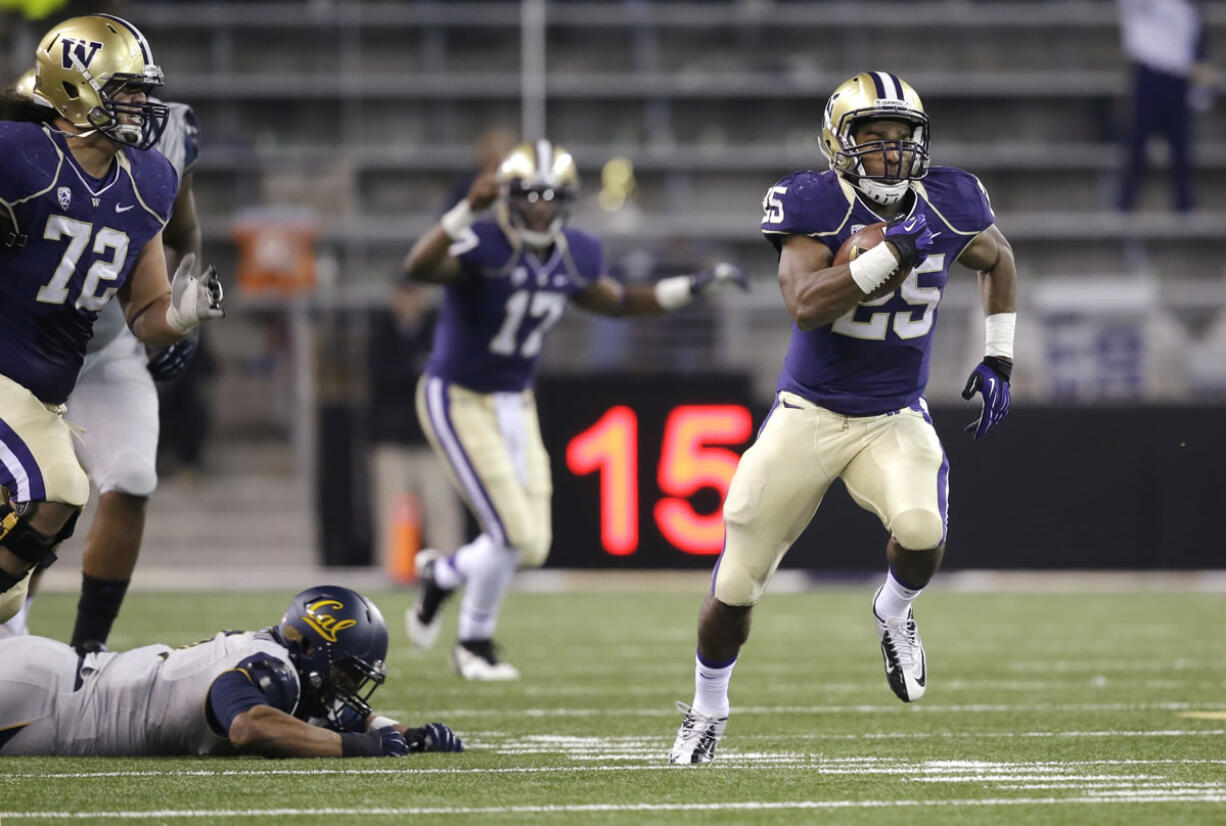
(874, 359)
(82, 236)
(495, 318)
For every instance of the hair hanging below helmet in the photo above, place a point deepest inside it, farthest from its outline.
(539, 183)
(92, 71)
(337, 640)
(876, 96)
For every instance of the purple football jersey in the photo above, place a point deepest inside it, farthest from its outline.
(874, 359)
(82, 236)
(495, 318)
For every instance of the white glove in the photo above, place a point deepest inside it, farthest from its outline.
(193, 299)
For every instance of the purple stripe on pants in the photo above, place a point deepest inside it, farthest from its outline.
(440, 418)
(35, 488)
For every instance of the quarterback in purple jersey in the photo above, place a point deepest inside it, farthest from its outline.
(850, 401)
(82, 208)
(508, 282)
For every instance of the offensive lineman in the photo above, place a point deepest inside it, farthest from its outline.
(298, 689)
(850, 401)
(82, 208)
(115, 403)
(508, 282)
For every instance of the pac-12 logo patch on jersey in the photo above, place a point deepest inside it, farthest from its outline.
(82, 50)
(327, 625)
(64, 194)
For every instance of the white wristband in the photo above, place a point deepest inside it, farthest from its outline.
(998, 332)
(457, 219)
(870, 269)
(674, 292)
(377, 723)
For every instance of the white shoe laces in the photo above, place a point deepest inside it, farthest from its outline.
(903, 638)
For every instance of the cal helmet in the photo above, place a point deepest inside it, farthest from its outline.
(538, 183)
(866, 96)
(84, 63)
(337, 641)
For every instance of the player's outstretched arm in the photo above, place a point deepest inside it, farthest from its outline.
(430, 260)
(609, 297)
(273, 733)
(991, 255)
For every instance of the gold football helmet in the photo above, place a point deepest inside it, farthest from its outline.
(539, 183)
(25, 84)
(866, 96)
(84, 63)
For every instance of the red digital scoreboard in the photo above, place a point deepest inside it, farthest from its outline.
(641, 466)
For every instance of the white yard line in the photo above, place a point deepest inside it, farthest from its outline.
(734, 761)
(1138, 797)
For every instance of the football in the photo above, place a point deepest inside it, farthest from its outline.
(865, 239)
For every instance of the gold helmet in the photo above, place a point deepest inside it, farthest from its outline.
(25, 84)
(539, 183)
(876, 95)
(84, 63)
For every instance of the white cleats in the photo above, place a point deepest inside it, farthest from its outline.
(421, 622)
(477, 660)
(698, 736)
(902, 650)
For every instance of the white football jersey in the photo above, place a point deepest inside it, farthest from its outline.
(151, 700)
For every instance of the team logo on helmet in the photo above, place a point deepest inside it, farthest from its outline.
(326, 625)
(82, 50)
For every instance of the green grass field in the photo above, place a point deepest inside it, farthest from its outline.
(1103, 708)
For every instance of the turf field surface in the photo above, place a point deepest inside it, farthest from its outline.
(1042, 708)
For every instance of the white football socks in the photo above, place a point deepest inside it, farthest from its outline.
(454, 571)
(711, 688)
(894, 598)
(489, 574)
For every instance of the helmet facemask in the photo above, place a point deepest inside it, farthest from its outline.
(131, 123)
(537, 212)
(901, 161)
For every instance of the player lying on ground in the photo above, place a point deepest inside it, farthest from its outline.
(298, 689)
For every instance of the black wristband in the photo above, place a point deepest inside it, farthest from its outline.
(361, 744)
(1000, 366)
(904, 245)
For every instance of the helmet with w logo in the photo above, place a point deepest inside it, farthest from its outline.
(82, 67)
(876, 96)
(337, 641)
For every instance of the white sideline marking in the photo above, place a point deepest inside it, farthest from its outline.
(630, 807)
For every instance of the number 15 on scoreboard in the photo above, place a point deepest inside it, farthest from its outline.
(693, 455)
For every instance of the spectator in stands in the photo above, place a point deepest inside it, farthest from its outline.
(1165, 42)
(402, 463)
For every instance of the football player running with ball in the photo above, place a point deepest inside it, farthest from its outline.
(850, 402)
(508, 282)
(300, 688)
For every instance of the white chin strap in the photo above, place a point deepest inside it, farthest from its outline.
(884, 194)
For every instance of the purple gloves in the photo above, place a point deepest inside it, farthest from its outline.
(991, 379)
